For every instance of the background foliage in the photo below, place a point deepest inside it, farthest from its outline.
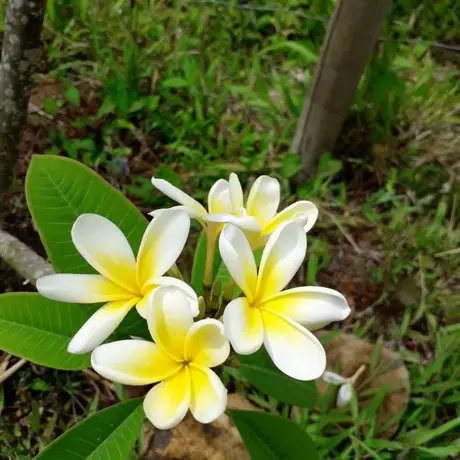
(190, 91)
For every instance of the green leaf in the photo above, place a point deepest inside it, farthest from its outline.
(174, 82)
(72, 94)
(199, 263)
(259, 369)
(58, 190)
(298, 48)
(107, 435)
(271, 437)
(39, 329)
(133, 325)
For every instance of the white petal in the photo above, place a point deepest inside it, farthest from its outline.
(161, 245)
(209, 396)
(345, 394)
(219, 198)
(157, 212)
(311, 306)
(305, 212)
(192, 298)
(144, 303)
(167, 403)
(332, 377)
(264, 199)
(236, 192)
(169, 318)
(243, 326)
(282, 257)
(132, 362)
(99, 326)
(293, 349)
(188, 291)
(80, 288)
(195, 209)
(238, 258)
(106, 249)
(206, 344)
(244, 222)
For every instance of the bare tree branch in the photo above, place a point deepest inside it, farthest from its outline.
(20, 52)
(22, 259)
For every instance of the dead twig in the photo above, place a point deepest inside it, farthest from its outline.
(344, 232)
(13, 369)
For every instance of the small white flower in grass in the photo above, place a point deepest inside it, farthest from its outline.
(258, 217)
(122, 281)
(180, 359)
(281, 320)
(346, 388)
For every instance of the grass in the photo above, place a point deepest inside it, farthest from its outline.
(192, 91)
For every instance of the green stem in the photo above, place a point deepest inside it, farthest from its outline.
(211, 238)
(228, 293)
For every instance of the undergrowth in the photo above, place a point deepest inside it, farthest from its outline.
(192, 91)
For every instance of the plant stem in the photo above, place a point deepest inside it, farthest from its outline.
(211, 238)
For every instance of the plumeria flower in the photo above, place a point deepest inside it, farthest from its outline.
(281, 320)
(180, 359)
(258, 217)
(122, 282)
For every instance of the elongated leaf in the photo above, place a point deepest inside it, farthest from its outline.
(259, 369)
(199, 264)
(39, 329)
(58, 190)
(271, 437)
(107, 435)
(298, 48)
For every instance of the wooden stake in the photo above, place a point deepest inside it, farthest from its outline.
(350, 39)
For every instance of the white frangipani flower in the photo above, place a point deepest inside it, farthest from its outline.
(281, 320)
(226, 205)
(180, 359)
(122, 281)
(258, 218)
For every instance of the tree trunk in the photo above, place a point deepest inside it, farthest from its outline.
(20, 53)
(350, 38)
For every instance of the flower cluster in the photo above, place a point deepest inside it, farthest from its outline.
(183, 351)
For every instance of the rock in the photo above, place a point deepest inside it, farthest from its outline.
(346, 354)
(191, 440)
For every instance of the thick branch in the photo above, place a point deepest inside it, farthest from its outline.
(350, 38)
(22, 259)
(20, 53)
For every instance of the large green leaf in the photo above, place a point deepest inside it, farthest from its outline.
(271, 437)
(107, 435)
(259, 369)
(40, 329)
(58, 190)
